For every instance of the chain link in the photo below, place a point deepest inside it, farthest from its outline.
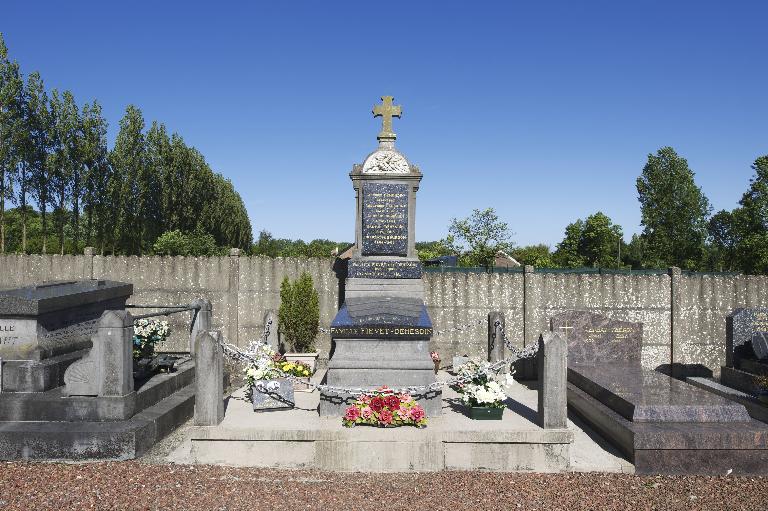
(248, 355)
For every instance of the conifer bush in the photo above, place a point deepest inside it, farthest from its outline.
(299, 313)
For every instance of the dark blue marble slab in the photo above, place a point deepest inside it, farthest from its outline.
(384, 269)
(385, 219)
(381, 324)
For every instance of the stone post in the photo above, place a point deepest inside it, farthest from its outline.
(526, 369)
(495, 336)
(88, 253)
(209, 376)
(202, 320)
(107, 369)
(553, 378)
(233, 290)
(675, 316)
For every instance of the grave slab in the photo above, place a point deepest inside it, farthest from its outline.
(655, 420)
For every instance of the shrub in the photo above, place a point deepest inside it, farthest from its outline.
(299, 313)
(177, 243)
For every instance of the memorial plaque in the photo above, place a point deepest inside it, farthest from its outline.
(596, 339)
(368, 269)
(746, 333)
(385, 219)
(17, 337)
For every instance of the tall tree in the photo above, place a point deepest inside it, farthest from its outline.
(93, 152)
(484, 234)
(595, 241)
(66, 162)
(751, 221)
(723, 239)
(674, 211)
(41, 131)
(11, 117)
(128, 159)
(568, 253)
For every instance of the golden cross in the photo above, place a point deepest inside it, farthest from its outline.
(566, 328)
(387, 111)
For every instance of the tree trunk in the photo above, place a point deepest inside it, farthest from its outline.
(44, 225)
(23, 190)
(62, 220)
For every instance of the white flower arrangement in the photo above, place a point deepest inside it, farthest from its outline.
(148, 332)
(484, 389)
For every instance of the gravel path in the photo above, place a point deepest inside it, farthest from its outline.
(137, 485)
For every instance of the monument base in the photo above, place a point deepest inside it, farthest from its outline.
(371, 363)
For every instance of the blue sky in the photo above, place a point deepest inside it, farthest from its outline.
(545, 111)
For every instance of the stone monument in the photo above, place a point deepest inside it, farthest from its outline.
(46, 327)
(382, 330)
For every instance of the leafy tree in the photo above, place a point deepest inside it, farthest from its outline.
(176, 243)
(722, 239)
(484, 234)
(751, 221)
(568, 253)
(601, 241)
(96, 171)
(434, 249)
(40, 122)
(299, 313)
(674, 212)
(11, 116)
(534, 255)
(128, 160)
(595, 241)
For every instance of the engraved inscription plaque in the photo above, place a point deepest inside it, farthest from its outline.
(385, 219)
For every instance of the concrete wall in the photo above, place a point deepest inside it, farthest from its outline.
(683, 316)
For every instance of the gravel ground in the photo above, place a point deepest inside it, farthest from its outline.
(138, 485)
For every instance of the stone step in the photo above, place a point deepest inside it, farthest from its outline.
(54, 406)
(114, 440)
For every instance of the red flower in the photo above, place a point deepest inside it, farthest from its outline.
(393, 402)
(385, 416)
(416, 413)
(352, 413)
(377, 403)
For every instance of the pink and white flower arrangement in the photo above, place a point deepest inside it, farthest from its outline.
(384, 408)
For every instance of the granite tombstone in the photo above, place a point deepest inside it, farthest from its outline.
(656, 420)
(46, 327)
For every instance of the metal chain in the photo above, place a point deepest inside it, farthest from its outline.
(248, 356)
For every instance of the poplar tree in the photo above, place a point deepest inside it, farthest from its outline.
(40, 123)
(11, 87)
(94, 156)
(673, 210)
(127, 159)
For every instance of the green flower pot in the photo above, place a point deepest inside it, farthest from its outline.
(485, 413)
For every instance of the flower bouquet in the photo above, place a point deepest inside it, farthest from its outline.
(383, 408)
(268, 389)
(483, 393)
(147, 333)
(300, 370)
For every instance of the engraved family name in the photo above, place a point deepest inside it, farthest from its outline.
(8, 333)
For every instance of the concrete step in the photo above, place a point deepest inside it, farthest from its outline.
(113, 440)
(53, 405)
